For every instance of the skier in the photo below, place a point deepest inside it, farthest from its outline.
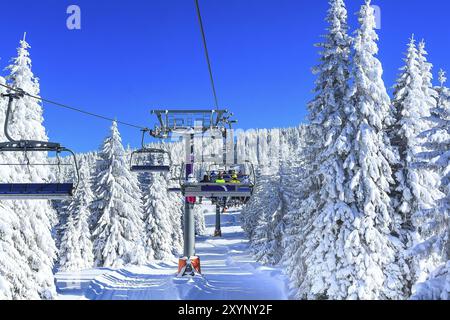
(206, 179)
(220, 178)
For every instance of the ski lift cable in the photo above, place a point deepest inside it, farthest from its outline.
(61, 105)
(208, 61)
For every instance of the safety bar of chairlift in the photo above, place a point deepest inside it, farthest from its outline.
(218, 190)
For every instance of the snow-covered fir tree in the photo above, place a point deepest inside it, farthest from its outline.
(408, 103)
(119, 232)
(76, 250)
(16, 278)
(326, 115)
(435, 222)
(68, 173)
(200, 227)
(415, 188)
(157, 217)
(176, 200)
(261, 217)
(327, 118)
(267, 240)
(348, 252)
(32, 224)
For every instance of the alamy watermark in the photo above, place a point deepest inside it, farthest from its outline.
(73, 21)
(377, 12)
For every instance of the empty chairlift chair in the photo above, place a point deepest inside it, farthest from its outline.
(150, 160)
(36, 190)
(39, 190)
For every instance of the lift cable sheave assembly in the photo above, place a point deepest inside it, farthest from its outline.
(34, 191)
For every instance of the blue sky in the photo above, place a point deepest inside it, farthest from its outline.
(132, 56)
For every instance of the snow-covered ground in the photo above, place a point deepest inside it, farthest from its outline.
(229, 272)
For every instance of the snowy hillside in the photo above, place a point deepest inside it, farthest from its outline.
(230, 272)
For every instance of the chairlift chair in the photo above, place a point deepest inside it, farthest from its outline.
(41, 190)
(233, 191)
(150, 159)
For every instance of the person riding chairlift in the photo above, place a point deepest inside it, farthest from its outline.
(206, 179)
(234, 179)
(220, 178)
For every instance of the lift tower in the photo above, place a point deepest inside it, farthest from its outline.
(188, 123)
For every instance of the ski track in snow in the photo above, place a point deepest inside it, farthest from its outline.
(229, 273)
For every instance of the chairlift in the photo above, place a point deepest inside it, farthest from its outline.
(35, 191)
(150, 159)
(237, 192)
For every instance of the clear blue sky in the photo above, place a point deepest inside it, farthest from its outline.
(132, 56)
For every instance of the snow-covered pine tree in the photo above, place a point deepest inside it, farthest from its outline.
(157, 217)
(76, 250)
(407, 109)
(415, 188)
(61, 206)
(326, 145)
(349, 252)
(200, 227)
(7, 250)
(435, 223)
(260, 219)
(118, 235)
(33, 223)
(176, 209)
(267, 239)
(439, 139)
(294, 191)
(425, 68)
(436, 287)
(176, 217)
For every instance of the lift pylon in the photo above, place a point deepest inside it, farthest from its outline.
(188, 123)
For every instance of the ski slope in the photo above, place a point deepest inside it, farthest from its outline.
(229, 272)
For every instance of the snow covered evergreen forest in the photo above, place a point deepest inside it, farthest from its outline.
(352, 205)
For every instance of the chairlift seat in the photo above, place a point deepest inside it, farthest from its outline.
(28, 191)
(208, 190)
(138, 168)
